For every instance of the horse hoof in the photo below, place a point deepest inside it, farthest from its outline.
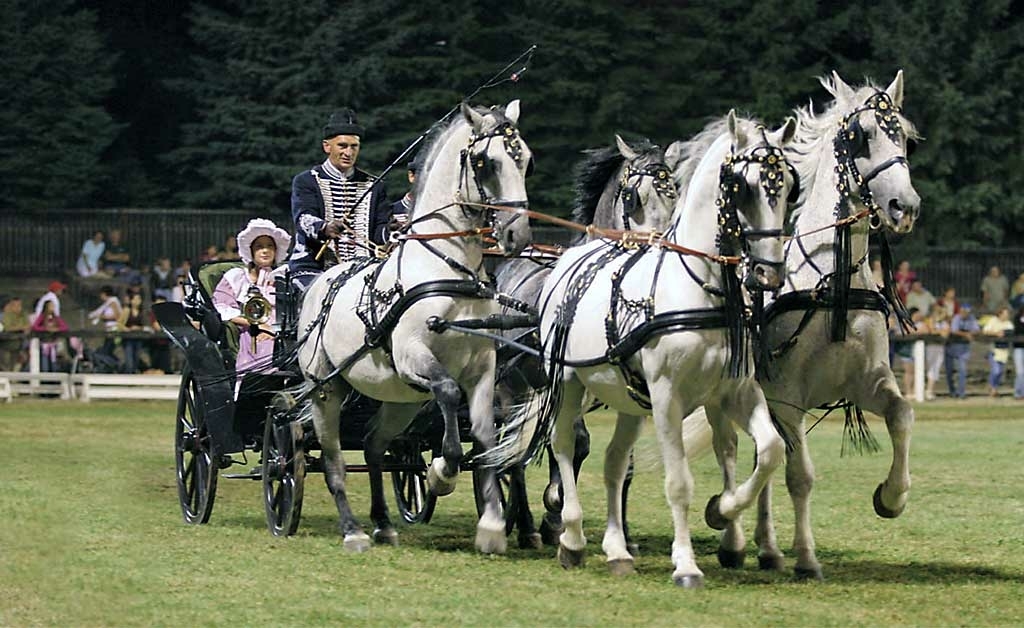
(357, 543)
(570, 559)
(880, 508)
(437, 483)
(770, 563)
(531, 541)
(731, 559)
(490, 541)
(689, 582)
(712, 516)
(633, 549)
(621, 567)
(385, 536)
(550, 532)
(809, 573)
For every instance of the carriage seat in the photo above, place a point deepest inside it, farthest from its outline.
(226, 333)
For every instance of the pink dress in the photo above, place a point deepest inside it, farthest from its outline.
(229, 295)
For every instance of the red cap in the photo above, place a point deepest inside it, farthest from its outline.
(56, 285)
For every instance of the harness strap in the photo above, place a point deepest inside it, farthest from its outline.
(810, 301)
(439, 288)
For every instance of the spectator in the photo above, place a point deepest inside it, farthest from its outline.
(51, 347)
(56, 289)
(935, 324)
(161, 279)
(181, 277)
(962, 328)
(904, 278)
(160, 346)
(88, 264)
(116, 259)
(919, 298)
(107, 314)
(1000, 327)
(229, 251)
(133, 319)
(211, 254)
(15, 320)
(949, 302)
(995, 291)
(1017, 293)
(1018, 353)
(904, 351)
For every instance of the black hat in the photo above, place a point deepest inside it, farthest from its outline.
(414, 164)
(343, 122)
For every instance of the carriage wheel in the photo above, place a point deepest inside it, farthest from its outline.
(284, 472)
(415, 502)
(194, 453)
(510, 508)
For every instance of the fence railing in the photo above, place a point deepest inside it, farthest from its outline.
(48, 242)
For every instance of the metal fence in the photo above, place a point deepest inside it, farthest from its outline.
(47, 243)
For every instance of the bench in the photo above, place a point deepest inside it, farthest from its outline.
(22, 383)
(112, 386)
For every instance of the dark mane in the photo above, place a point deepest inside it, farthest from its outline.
(593, 174)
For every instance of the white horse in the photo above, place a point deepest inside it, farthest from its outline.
(852, 161)
(370, 321)
(662, 331)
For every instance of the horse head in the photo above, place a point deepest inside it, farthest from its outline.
(871, 148)
(498, 163)
(646, 194)
(756, 184)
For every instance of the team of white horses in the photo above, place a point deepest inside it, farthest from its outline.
(673, 307)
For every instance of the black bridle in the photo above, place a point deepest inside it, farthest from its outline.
(661, 179)
(481, 166)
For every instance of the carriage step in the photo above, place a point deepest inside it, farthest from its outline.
(254, 474)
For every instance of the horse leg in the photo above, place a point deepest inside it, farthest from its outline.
(571, 542)
(527, 536)
(668, 416)
(891, 496)
(551, 526)
(769, 556)
(732, 544)
(490, 530)
(750, 409)
(616, 463)
(326, 422)
(632, 546)
(392, 419)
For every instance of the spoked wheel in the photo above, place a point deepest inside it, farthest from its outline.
(508, 506)
(284, 472)
(194, 453)
(415, 502)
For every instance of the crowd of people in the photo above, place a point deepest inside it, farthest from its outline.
(950, 325)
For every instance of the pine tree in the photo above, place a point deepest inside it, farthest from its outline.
(53, 126)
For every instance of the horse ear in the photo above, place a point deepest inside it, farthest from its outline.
(624, 148)
(895, 89)
(788, 131)
(472, 117)
(738, 135)
(673, 155)
(840, 89)
(512, 111)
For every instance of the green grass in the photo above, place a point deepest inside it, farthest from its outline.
(92, 535)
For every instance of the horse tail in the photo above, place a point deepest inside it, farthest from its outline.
(527, 430)
(697, 435)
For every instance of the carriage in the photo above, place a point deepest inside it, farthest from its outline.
(223, 416)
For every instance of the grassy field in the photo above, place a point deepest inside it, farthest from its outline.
(92, 535)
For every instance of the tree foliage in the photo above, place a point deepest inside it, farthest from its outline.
(54, 128)
(246, 86)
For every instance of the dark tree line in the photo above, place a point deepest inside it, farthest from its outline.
(217, 103)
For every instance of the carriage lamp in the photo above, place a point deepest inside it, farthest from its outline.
(256, 311)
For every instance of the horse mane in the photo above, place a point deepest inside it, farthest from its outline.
(815, 131)
(593, 174)
(692, 151)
